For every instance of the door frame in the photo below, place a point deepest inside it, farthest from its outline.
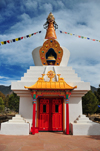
(63, 110)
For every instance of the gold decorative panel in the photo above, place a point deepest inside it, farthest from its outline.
(51, 44)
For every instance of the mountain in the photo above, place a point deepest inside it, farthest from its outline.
(5, 89)
(93, 89)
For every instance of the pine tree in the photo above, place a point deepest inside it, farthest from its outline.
(1, 105)
(13, 102)
(90, 103)
(97, 94)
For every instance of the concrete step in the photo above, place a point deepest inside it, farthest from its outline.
(82, 118)
(16, 118)
(83, 121)
(16, 121)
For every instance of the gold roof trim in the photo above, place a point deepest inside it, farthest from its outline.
(60, 84)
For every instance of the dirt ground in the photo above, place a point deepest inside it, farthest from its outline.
(4, 117)
(94, 117)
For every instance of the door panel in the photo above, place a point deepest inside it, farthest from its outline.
(44, 115)
(56, 114)
(50, 115)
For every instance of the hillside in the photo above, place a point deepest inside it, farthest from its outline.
(5, 89)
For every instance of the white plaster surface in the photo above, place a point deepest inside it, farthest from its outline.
(85, 128)
(26, 108)
(16, 126)
(37, 60)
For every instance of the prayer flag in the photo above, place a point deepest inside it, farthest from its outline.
(13, 40)
(19, 38)
(60, 31)
(27, 36)
(82, 37)
(34, 33)
(93, 39)
(85, 37)
(65, 32)
(39, 31)
(16, 39)
(8, 41)
(2, 42)
(70, 34)
(79, 36)
(88, 38)
(5, 42)
(30, 35)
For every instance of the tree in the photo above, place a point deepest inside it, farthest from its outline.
(97, 94)
(13, 102)
(2, 95)
(90, 103)
(1, 105)
(6, 100)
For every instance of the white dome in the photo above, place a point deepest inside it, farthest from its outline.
(37, 60)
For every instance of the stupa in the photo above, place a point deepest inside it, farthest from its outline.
(50, 93)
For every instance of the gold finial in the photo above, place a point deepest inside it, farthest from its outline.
(51, 75)
(50, 25)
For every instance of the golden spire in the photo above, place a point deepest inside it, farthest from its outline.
(50, 24)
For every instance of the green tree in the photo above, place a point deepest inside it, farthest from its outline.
(13, 102)
(97, 94)
(6, 100)
(1, 105)
(90, 103)
(2, 95)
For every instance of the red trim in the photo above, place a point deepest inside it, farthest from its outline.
(33, 123)
(67, 118)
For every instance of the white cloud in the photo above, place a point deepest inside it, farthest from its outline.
(82, 19)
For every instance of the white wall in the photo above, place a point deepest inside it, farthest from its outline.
(75, 109)
(26, 107)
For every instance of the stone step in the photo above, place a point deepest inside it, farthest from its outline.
(82, 118)
(16, 118)
(82, 115)
(85, 121)
(16, 121)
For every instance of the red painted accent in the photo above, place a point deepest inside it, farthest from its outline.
(50, 120)
(33, 124)
(67, 118)
(36, 130)
(44, 116)
(56, 116)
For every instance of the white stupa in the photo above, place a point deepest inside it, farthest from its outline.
(50, 59)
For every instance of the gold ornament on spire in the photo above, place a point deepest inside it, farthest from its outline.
(51, 26)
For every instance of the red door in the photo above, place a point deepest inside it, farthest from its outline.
(44, 115)
(50, 116)
(56, 115)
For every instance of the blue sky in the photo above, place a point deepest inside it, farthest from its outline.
(22, 17)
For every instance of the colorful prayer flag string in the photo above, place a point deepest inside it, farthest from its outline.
(79, 36)
(17, 39)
